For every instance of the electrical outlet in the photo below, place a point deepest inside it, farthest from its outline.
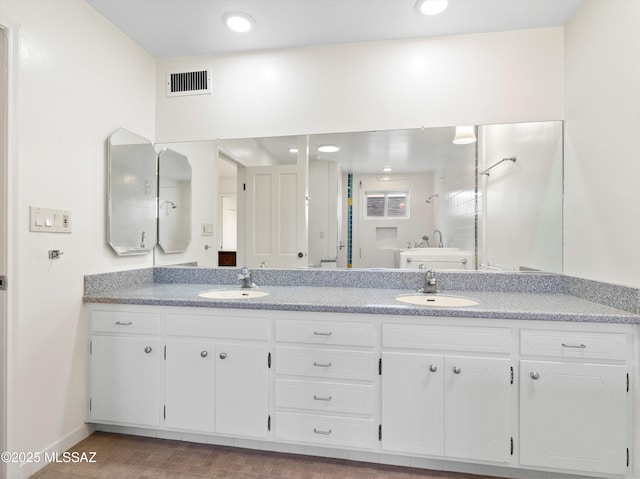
(47, 220)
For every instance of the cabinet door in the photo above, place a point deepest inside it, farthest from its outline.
(412, 403)
(477, 408)
(190, 385)
(242, 401)
(573, 416)
(125, 380)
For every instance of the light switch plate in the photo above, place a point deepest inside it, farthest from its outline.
(47, 220)
(206, 229)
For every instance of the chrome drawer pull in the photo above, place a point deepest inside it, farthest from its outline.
(322, 365)
(320, 333)
(324, 433)
(319, 398)
(122, 323)
(581, 346)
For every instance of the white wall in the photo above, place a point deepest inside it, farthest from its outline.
(602, 151)
(468, 79)
(77, 80)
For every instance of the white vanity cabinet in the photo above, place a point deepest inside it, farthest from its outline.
(526, 398)
(125, 356)
(575, 401)
(206, 372)
(455, 404)
(324, 387)
(217, 373)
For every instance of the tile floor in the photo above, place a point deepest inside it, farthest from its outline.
(131, 457)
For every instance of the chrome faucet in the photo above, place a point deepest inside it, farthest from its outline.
(440, 244)
(245, 279)
(142, 238)
(430, 283)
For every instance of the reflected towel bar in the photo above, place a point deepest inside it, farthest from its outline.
(486, 172)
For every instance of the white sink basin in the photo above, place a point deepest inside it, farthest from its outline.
(233, 294)
(435, 300)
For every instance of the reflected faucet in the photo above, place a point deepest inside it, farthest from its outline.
(440, 244)
(245, 279)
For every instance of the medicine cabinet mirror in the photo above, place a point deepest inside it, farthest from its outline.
(133, 222)
(132, 193)
(174, 201)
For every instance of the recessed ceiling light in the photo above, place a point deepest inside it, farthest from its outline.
(293, 150)
(431, 7)
(238, 21)
(387, 169)
(328, 148)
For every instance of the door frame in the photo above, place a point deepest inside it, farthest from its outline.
(8, 42)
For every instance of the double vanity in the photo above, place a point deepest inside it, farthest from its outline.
(500, 374)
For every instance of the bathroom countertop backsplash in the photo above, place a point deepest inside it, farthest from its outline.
(541, 296)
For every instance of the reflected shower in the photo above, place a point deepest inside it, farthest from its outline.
(428, 200)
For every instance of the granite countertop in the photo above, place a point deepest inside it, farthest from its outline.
(492, 304)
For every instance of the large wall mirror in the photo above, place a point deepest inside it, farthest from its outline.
(403, 199)
(388, 199)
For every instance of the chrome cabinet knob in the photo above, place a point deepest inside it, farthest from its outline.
(148, 349)
(204, 354)
(456, 370)
(223, 355)
(535, 375)
(433, 368)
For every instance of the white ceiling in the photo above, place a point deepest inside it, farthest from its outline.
(174, 28)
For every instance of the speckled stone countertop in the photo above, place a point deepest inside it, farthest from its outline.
(548, 305)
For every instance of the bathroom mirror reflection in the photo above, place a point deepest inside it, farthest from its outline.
(131, 193)
(174, 201)
(441, 205)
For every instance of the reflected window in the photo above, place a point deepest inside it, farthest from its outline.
(387, 204)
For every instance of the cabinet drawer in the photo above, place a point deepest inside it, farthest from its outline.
(125, 322)
(203, 326)
(325, 363)
(325, 396)
(325, 332)
(568, 344)
(456, 338)
(325, 430)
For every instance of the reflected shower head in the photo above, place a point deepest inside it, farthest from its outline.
(169, 204)
(428, 200)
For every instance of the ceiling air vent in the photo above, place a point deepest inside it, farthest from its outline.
(189, 83)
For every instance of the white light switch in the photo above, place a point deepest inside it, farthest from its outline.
(49, 220)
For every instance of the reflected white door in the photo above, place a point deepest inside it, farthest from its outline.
(275, 213)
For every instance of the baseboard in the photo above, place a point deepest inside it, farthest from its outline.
(25, 470)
